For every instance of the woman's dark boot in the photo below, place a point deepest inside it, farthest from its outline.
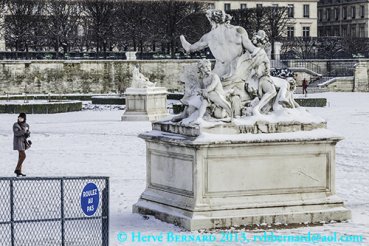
(19, 173)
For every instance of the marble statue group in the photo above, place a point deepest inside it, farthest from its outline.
(242, 152)
(240, 83)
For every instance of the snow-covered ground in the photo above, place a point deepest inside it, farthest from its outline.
(98, 143)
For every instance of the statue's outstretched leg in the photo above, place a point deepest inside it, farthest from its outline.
(269, 92)
(221, 102)
(282, 95)
(236, 105)
(202, 110)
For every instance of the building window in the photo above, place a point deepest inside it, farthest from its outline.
(344, 31)
(290, 31)
(353, 12)
(211, 5)
(337, 31)
(320, 14)
(336, 13)
(275, 9)
(353, 30)
(291, 8)
(328, 31)
(259, 5)
(243, 6)
(328, 14)
(306, 10)
(320, 31)
(362, 30)
(306, 31)
(227, 6)
(344, 13)
(362, 11)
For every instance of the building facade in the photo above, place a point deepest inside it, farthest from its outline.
(343, 18)
(303, 14)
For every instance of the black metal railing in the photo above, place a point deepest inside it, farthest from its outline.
(54, 211)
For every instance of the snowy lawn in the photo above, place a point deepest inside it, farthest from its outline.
(98, 143)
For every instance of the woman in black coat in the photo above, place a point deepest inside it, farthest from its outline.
(21, 133)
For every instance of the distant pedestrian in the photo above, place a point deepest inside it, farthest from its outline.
(304, 87)
(20, 142)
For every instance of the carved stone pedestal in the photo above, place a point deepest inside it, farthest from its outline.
(145, 104)
(216, 181)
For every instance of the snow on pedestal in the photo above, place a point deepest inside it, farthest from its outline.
(220, 180)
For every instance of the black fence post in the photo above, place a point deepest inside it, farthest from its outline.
(62, 211)
(12, 212)
(105, 214)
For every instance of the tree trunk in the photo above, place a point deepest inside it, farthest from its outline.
(272, 56)
(141, 46)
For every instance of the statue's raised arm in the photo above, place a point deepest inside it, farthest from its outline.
(199, 45)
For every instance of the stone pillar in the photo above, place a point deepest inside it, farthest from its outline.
(361, 82)
(131, 55)
(2, 37)
(268, 50)
(277, 50)
(2, 44)
(145, 104)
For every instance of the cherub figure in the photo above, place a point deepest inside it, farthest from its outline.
(213, 93)
(192, 95)
(204, 95)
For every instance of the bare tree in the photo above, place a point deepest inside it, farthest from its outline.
(325, 47)
(136, 24)
(23, 16)
(245, 18)
(300, 47)
(355, 46)
(276, 22)
(329, 47)
(2, 14)
(63, 18)
(174, 21)
(100, 17)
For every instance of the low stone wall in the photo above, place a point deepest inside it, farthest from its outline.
(311, 102)
(114, 76)
(108, 100)
(40, 107)
(55, 97)
(342, 84)
(85, 76)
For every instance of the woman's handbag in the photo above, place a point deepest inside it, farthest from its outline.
(27, 143)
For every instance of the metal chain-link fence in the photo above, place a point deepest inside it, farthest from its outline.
(54, 211)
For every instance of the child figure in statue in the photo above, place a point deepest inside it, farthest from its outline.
(213, 93)
(204, 95)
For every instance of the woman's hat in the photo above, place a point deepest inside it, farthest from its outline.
(23, 115)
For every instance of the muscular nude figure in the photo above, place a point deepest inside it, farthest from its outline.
(227, 43)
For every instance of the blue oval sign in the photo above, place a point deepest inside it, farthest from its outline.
(90, 199)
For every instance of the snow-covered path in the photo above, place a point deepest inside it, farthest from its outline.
(98, 143)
